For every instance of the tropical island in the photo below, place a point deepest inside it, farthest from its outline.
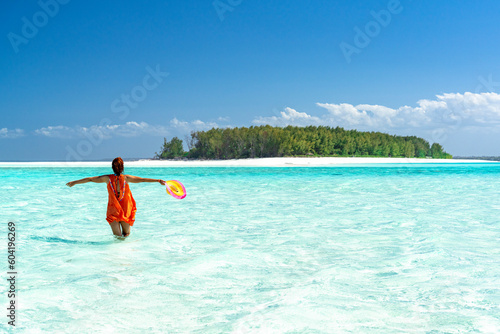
(292, 141)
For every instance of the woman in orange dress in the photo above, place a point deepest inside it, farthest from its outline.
(121, 205)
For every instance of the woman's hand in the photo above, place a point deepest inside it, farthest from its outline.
(162, 182)
(71, 184)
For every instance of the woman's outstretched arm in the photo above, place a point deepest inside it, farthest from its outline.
(95, 179)
(137, 179)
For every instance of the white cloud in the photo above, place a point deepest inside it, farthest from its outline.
(196, 125)
(59, 131)
(288, 117)
(129, 129)
(11, 134)
(447, 110)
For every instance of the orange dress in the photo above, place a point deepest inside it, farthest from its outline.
(121, 206)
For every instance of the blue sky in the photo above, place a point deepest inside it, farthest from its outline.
(89, 80)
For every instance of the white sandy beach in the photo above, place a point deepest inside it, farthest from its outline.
(260, 162)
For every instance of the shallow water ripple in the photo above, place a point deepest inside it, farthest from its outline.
(381, 249)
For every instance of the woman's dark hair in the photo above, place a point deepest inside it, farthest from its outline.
(117, 166)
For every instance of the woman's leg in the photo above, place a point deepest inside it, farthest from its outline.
(115, 227)
(125, 228)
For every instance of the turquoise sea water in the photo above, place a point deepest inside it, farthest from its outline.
(360, 249)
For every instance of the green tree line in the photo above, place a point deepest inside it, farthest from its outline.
(268, 141)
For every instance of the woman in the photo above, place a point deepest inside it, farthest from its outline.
(121, 205)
